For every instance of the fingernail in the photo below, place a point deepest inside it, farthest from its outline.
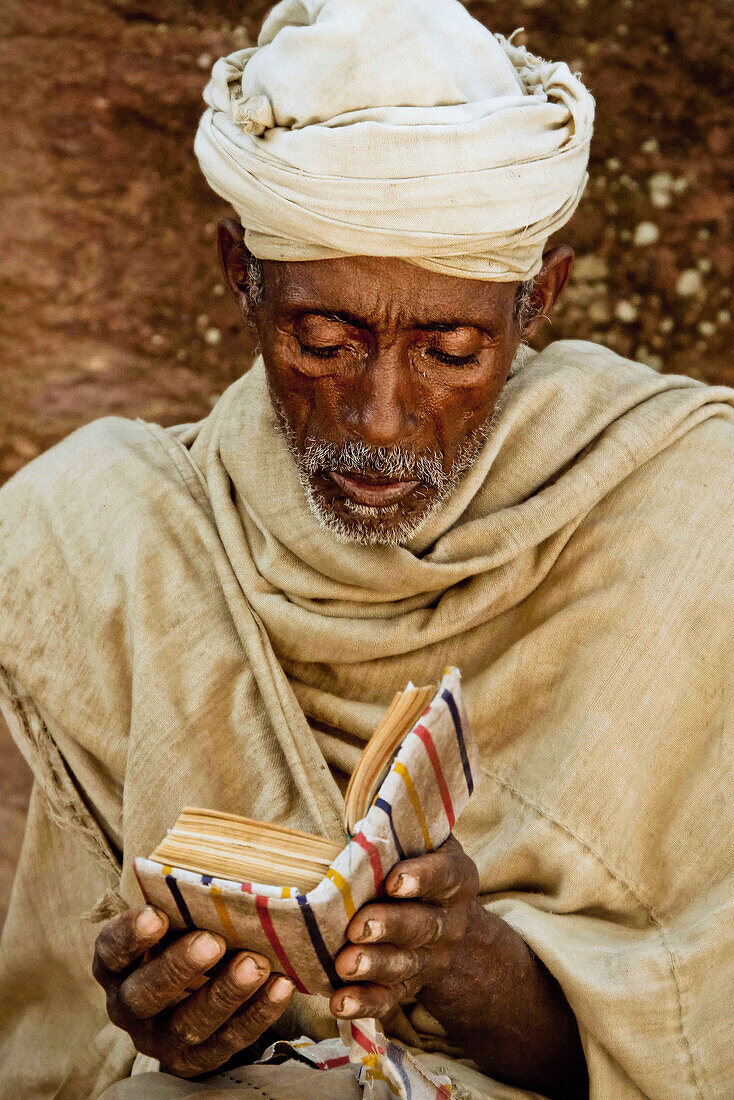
(372, 930)
(407, 885)
(362, 964)
(280, 990)
(204, 948)
(350, 1006)
(246, 971)
(148, 922)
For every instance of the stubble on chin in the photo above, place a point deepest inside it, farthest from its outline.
(389, 525)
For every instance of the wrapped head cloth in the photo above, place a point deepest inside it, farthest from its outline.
(395, 128)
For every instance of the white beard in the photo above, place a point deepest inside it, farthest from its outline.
(369, 525)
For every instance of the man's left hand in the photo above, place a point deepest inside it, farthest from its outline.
(399, 946)
(432, 939)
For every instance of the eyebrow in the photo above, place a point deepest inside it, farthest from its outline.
(344, 317)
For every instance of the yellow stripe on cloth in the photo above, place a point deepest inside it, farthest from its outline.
(415, 802)
(372, 1073)
(224, 917)
(345, 890)
(166, 870)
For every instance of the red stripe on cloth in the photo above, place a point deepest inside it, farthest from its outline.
(430, 748)
(246, 887)
(374, 856)
(363, 1041)
(261, 904)
(332, 1063)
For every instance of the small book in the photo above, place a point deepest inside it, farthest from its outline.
(290, 894)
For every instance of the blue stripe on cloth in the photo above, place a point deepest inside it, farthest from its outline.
(395, 1054)
(180, 903)
(318, 943)
(206, 880)
(451, 704)
(387, 808)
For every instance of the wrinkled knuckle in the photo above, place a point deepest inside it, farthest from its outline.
(412, 964)
(184, 1031)
(175, 972)
(183, 1064)
(386, 1003)
(133, 998)
(402, 992)
(260, 1015)
(435, 926)
(454, 882)
(226, 994)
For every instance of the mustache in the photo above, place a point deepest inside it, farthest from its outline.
(391, 463)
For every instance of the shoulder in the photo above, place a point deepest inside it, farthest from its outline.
(91, 529)
(94, 493)
(83, 471)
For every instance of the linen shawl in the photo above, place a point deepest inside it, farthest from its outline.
(171, 610)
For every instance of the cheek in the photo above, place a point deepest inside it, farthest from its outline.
(458, 412)
(311, 406)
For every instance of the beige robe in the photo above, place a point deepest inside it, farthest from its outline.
(171, 609)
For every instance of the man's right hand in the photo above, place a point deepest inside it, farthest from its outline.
(188, 1032)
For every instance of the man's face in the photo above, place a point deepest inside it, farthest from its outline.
(384, 377)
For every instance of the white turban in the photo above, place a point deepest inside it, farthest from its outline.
(395, 128)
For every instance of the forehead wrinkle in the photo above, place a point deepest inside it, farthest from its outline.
(399, 319)
(396, 298)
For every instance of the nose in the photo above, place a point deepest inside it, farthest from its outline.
(382, 400)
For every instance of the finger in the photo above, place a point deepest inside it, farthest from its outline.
(242, 1030)
(443, 876)
(381, 963)
(201, 1014)
(355, 1002)
(403, 924)
(156, 984)
(125, 938)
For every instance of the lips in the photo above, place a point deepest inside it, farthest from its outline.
(372, 492)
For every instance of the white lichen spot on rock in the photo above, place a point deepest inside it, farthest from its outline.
(689, 283)
(645, 233)
(626, 312)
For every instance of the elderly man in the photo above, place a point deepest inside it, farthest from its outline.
(217, 614)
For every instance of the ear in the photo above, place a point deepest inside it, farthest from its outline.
(233, 256)
(548, 285)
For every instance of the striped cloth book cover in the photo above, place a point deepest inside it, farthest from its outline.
(430, 781)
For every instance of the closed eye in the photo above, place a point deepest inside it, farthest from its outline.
(452, 360)
(328, 352)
